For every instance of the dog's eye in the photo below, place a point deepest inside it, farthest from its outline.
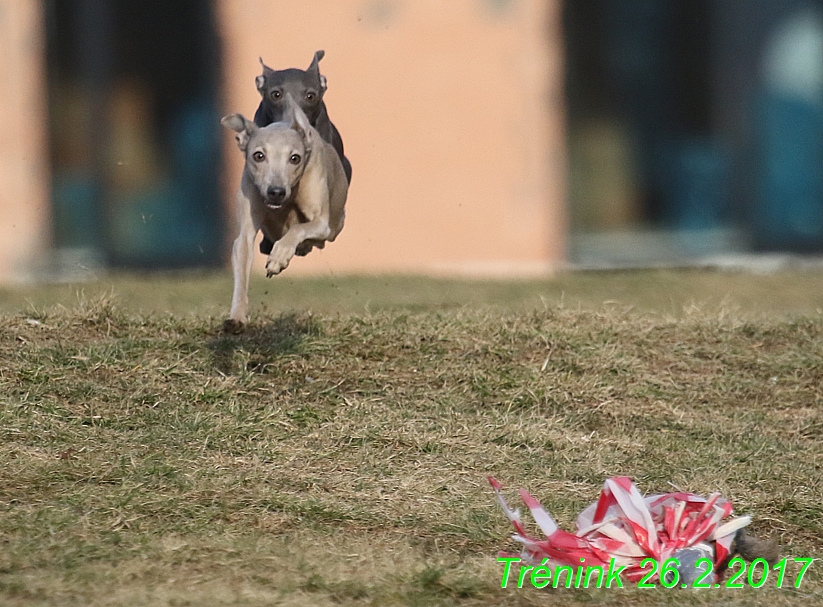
(310, 96)
(259, 156)
(277, 94)
(295, 159)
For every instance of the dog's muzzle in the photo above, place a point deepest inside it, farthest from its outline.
(275, 197)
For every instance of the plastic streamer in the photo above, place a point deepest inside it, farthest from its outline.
(624, 528)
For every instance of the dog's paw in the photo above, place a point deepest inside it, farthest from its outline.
(278, 260)
(233, 327)
(273, 269)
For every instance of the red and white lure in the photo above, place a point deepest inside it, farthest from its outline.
(623, 527)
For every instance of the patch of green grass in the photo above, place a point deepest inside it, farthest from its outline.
(674, 293)
(339, 457)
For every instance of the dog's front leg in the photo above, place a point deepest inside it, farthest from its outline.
(283, 251)
(242, 255)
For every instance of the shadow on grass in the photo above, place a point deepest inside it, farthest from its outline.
(262, 343)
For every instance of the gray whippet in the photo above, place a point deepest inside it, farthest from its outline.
(293, 188)
(307, 88)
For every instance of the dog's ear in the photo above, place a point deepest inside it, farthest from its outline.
(260, 81)
(298, 119)
(240, 125)
(314, 68)
(301, 124)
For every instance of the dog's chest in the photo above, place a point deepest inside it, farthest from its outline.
(276, 223)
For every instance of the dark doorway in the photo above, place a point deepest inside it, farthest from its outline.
(695, 127)
(134, 130)
(639, 92)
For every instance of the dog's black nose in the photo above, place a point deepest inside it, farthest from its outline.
(276, 193)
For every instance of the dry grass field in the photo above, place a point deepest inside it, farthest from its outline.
(337, 452)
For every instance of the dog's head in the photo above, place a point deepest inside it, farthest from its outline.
(276, 155)
(307, 88)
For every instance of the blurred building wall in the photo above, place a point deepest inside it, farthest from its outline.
(24, 171)
(452, 116)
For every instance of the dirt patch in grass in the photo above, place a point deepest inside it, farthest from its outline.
(328, 459)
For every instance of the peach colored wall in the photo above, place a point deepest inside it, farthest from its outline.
(452, 116)
(24, 170)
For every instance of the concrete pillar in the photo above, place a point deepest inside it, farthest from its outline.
(24, 157)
